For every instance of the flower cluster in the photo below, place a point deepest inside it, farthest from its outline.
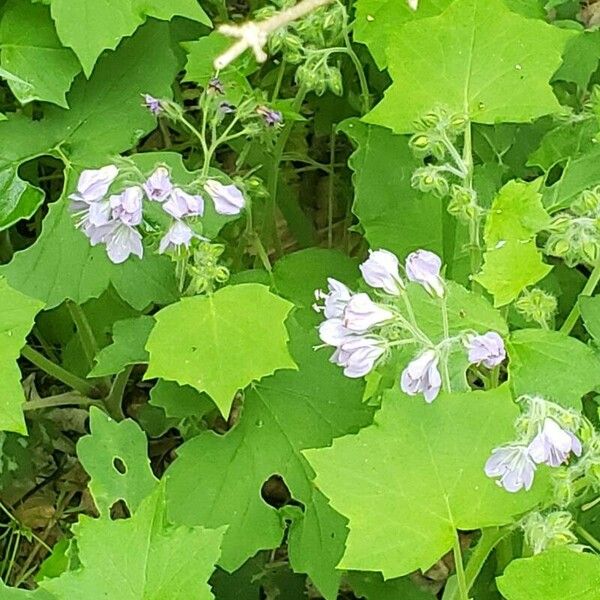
(364, 331)
(575, 234)
(549, 531)
(547, 436)
(115, 219)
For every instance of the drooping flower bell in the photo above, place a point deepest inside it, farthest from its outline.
(335, 300)
(424, 267)
(513, 465)
(333, 332)
(228, 199)
(153, 104)
(271, 117)
(93, 184)
(158, 186)
(358, 355)
(487, 349)
(181, 204)
(422, 376)
(381, 271)
(179, 235)
(553, 444)
(361, 314)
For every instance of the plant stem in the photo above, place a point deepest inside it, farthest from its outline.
(588, 290)
(84, 330)
(446, 327)
(114, 400)
(58, 372)
(68, 399)
(463, 590)
(331, 189)
(588, 537)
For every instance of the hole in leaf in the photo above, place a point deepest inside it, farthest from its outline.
(119, 465)
(554, 174)
(275, 492)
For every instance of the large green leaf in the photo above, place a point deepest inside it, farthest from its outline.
(281, 416)
(105, 118)
(407, 483)
(393, 215)
(32, 54)
(63, 265)
(553, 365)
(224, 341)
(590, 313)
(141, 558)
(115, 457)
(17, 313)
(378, 20)
(511, 267)
(91, 27)
(476, 58)
(556, 574)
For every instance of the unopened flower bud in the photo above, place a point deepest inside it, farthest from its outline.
(537, 305)
(424, 267)
(422, 376)
(361, 314)
(430, 179)
(381, 270)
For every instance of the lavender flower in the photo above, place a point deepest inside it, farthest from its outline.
(487, 349)
(153, 104)
(215, 86)
(361, 313)
(127, 206)
(422, 376)
(271, 117)
(158, 186)
(358, 355)
(424, 267)
(553, 444)
(335, 300)
(179, 234)
(514, 466)
(228, 199)
(225, 108)
(181, 204)
(93, 184)
(380, 270)
(333, 333)
(121, 242)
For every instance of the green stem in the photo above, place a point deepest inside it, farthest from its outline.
(474, 225)
(6, 249)
(84, 330)
(331, 189)
(58, 372)
(362, 80)
(446, 327)
(463, 590)
(279, 81)
(114, 400)
(588, 290)
(68, 399)
(588, 537)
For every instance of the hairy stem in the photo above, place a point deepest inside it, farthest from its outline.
(59, 373)
(114, 400)
(588, 290)
(463, 590)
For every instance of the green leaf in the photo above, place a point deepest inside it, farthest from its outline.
(407, 483)
(553, 365)
(372, 586)
(62, 265)
(17, 313)
(516, 214)
(10, 593)
(105, 118)
(128, 347)
(448, 60)
(224, 341)
(590, 312)
(115, 457)
(141, 558)
(89, 28)
(281, 415)
(31, 52)
(393, 215)
(510, 268)
(556, 574)
(580, 59)
(378, 20)
(567, 140)
(179, 400)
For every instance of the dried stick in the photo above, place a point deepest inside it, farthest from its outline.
(254, 34)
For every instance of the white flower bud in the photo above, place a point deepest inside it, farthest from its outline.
(487, 349)
(553, 444)
(228, 199)
(333, 332)
(424, 267)
(93, 184)
(335, 300)
(358, 355)
(380, 270)
(361, 313)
